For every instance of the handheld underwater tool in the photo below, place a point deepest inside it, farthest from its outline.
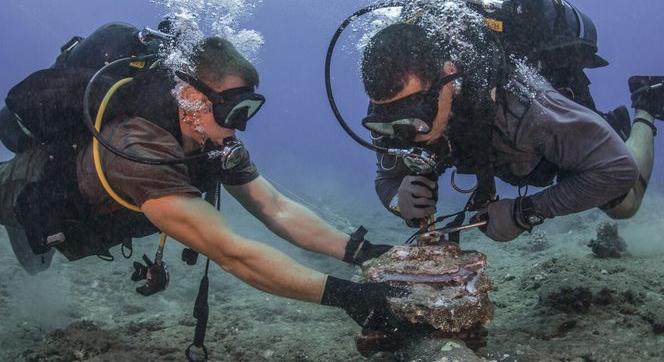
(418, 160)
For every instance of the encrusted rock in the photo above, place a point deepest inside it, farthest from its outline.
(608, 243)
(448, 287)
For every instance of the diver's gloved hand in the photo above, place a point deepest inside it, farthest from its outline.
(359, 249)
(417, 198)
(648, 94)
(500, 217)
(366, 303)
(156, 276)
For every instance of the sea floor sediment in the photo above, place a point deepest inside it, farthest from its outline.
(554, 301)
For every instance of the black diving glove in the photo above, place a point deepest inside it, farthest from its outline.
(366, 303)
(648, 94)
(507, 219)
(359, 250)
(416, 199)
(156, 276)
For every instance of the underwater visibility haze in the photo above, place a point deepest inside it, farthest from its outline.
(558, 294)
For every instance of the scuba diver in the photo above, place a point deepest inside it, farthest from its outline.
(481, 112)
(169, 138)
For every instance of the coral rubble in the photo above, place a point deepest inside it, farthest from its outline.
(608, 243)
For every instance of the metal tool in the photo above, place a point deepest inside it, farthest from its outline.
(462, 228)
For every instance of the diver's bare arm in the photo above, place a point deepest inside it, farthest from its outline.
(197, 224)
(288, 219)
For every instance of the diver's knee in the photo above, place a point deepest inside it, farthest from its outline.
(626, 210)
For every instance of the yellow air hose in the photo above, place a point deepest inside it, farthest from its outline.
(97, 159)
(95, 146)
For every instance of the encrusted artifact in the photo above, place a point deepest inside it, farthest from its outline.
(447, 287)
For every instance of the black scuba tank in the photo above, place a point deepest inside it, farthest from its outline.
(48, 105)
(108, 43)
(554, 36)
(544, 30)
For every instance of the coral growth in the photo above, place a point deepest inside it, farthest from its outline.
(608, 243)
(580, 299)
(570, 300)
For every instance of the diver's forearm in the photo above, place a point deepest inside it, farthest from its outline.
(587, 190)
(198, 225)
(302, 227)
(269, 270)
(595, 163)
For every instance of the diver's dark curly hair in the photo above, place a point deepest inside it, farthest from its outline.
(394, 53)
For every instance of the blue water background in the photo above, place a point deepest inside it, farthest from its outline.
(295, 140)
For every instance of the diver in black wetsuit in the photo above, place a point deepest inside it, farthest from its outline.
(479, 115)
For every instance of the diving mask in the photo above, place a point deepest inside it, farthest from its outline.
(232, 108)
(405, 118)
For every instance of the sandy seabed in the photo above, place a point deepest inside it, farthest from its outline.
(554, 301)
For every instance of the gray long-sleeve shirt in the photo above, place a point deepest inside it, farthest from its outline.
(593, 163)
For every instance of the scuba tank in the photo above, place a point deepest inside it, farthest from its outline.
(47, 106)
(541, 29)
(554, 36)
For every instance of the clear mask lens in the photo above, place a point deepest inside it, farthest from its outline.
(246, 108)
(388, 129)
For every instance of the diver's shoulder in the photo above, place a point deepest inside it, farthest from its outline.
(142, 135)
(140, 126)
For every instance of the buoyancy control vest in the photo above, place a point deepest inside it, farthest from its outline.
(49, 108)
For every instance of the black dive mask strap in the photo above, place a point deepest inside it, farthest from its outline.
(213, 96)
(442, 82)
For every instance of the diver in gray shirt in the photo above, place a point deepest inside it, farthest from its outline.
(494, 118)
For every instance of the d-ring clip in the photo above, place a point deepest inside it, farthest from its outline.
(459, 189)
